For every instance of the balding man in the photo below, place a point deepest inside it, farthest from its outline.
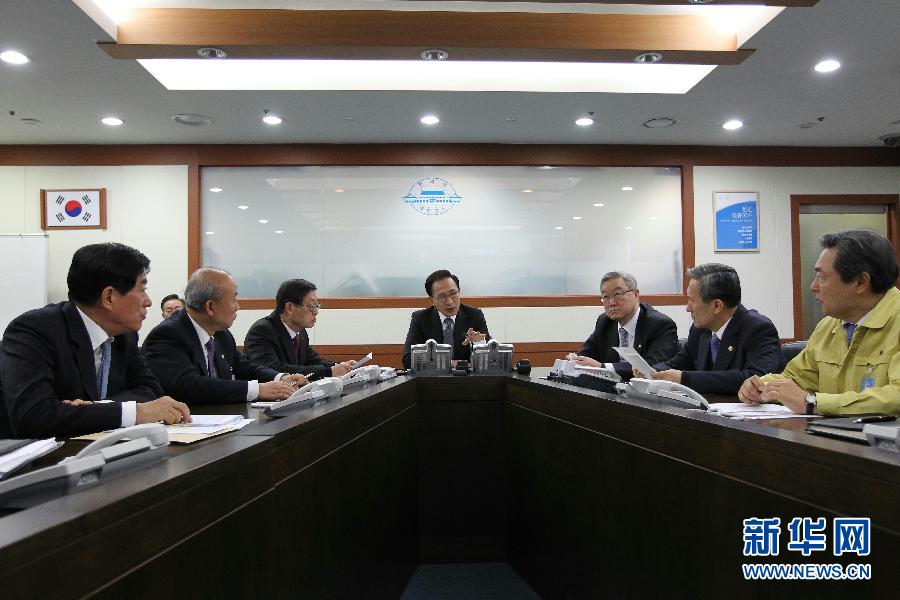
(195, 358)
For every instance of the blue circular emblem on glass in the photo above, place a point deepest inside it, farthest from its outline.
(432, 196)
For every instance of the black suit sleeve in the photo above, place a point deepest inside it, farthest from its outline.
(590, 347)
(683, 359)
(170, 357)
(415, 335)
(35, 382)
(761, 354)
(140, 384)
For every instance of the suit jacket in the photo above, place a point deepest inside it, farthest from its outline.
(655, 339)
(749, 347)
(268, 343)
(47, 357)
(174, 353)
(427, 324)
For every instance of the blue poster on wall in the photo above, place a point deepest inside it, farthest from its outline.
(737, 221)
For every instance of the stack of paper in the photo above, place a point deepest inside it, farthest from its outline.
(205, 426)
(15, 454)
(739, 410)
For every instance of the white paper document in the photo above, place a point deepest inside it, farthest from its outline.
(363, 360)
(11, 461)
(195, 428)
(739, 410)
(211, 420)
(635, 360)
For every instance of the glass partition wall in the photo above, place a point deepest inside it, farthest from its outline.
(376, 231)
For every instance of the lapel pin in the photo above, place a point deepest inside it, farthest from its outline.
(731, 348)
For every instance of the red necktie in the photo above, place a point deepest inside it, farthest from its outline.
(296, 348)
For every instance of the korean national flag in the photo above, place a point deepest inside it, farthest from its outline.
(71, 209)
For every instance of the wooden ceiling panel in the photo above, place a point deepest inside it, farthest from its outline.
(399, 35)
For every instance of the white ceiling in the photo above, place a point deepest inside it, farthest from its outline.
(70, 83)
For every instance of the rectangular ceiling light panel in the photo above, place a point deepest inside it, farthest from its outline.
(385, 75)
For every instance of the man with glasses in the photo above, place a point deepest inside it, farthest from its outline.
(280, 341)
(195, 358)
(727, 343)
(626, 322)
(447, 320)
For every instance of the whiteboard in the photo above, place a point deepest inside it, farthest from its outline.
(23, 274)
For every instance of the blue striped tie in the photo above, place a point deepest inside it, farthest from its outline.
(103, 372)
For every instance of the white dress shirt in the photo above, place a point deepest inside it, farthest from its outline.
(98, 335)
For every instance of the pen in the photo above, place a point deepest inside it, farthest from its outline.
(875, 419)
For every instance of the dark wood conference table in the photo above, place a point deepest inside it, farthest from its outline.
(584, 494)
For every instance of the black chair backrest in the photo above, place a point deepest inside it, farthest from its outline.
(792, 349)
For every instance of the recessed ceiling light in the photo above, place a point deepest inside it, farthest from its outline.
(434, 54)
(338, 190)
(527, 191)
(209, 52)
(659, 122)
(13, 57)
(827, 66)
(576, 218)
(629, 227)
(279, 231)
(585, 121)
(732, 124)
(627, 188)
(243, 207)
(599, 204)
(210, 233)
(270, 119)
(215, 190)
(112, 121)
(558, 227)
(192, 120)
(429, 120)
(652, 218)
(645, 58)
(263, 221)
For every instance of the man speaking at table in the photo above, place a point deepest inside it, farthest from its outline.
(851, 364)
(73, 368)
(447, 320)
(195, 357)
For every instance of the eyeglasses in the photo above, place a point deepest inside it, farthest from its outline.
(451, 295)
(606, 299)
(313, 308)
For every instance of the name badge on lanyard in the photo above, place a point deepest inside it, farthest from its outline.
(868, 381)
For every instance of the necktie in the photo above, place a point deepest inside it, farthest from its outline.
(448, 331)
(211, 357)
(623, 336)
(296, 348)
(714, 347)
(103, 372)
(850, 327)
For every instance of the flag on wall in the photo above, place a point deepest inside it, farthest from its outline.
(70, 209)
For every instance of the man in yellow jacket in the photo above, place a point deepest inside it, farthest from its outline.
(851, 363)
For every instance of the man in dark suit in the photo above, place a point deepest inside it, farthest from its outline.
(280, 341)
(73, 368)
(626, 322)
(727, 343)
(194, 355)
(447, 321)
